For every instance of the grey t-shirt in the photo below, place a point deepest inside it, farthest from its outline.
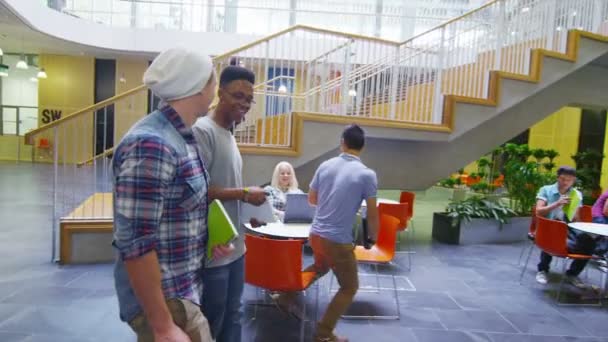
(341, 184)
(223, 161)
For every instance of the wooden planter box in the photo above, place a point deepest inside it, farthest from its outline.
(478, 231)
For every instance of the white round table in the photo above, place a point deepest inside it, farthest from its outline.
(380, 200)
(282, 230)
(592, 228)
(597, 229)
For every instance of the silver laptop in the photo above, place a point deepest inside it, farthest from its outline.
(298, 210)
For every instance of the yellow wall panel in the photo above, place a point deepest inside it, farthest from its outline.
(12, 145)
(129, 110)
(560, 131)
(604, 177)
(69, 87)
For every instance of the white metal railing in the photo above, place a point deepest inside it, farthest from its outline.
(391, 19)
(295, 70)
(456, 57)
(331, 73)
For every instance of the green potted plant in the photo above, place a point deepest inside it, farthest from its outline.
(588, 173)
(523, 178)
(478, 219)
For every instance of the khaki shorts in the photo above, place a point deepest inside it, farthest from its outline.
(186, 315)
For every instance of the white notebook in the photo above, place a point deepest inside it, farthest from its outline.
(262, 213)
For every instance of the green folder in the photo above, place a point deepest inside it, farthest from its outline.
(570, 208)
(221, 230)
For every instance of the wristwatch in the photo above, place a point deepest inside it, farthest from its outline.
(245, 194)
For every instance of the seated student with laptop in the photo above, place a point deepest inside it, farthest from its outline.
(297, 210)
(283, 182)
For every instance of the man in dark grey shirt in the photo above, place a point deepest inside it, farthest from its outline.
(224, 278)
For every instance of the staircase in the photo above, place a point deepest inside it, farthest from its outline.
(429, 105)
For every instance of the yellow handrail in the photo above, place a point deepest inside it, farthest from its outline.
(29, 136)
(102, 154)
(473, 11)
(305, 28)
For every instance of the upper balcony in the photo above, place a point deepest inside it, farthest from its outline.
(388, 19)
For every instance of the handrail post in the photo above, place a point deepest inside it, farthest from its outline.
(498, 33)
(55, 200)
(550, 27)
(266, 69)
(394, 84)
(438, 94)
(499, 36)
(344, 98)
(597, 16)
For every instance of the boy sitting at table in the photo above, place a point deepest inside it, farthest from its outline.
(550, 203)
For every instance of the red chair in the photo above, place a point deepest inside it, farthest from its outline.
(402, 213)
(551, 237)
(409, 198)
(382, 253)
(276, 265)
(44, 148)
(585, 213)
(531, 234)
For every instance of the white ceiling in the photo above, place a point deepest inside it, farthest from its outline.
(17, 37)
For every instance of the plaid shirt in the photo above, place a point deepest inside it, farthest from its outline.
(160, 204)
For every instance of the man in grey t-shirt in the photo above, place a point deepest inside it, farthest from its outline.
(337, 189)
(223, 278)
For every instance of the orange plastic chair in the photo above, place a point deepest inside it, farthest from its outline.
(551, 237)
(381, 253)
(276, 265)
(585, 213)
(409, 198)
(44, 145)
(531, 234)
(400, 211)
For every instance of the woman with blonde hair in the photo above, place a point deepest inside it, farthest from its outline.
(283, 182)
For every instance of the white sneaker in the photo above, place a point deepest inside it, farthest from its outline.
(541, 277)
(576, 282)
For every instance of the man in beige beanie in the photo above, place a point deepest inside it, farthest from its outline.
(160, 205)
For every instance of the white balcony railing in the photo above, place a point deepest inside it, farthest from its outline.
(389, 19)
(332, 73)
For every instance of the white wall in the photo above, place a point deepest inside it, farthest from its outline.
(19, 91)
(62, 26)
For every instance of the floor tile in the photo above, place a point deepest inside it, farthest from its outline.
(13, 337)
(486, 321)
(415, 318)
(54, 321)
(424, 335)
(429, 300)
(544, 324)
(523, 338)
(54, 295)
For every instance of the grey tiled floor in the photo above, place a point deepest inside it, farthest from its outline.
(459, 293)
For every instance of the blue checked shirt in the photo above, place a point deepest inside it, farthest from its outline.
(160, 204)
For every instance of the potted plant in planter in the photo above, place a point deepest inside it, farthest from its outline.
(523, 178)
(588, 172)
(474, 220)
(524, 172)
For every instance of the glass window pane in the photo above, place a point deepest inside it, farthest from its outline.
(28, 120)
(9, 121)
